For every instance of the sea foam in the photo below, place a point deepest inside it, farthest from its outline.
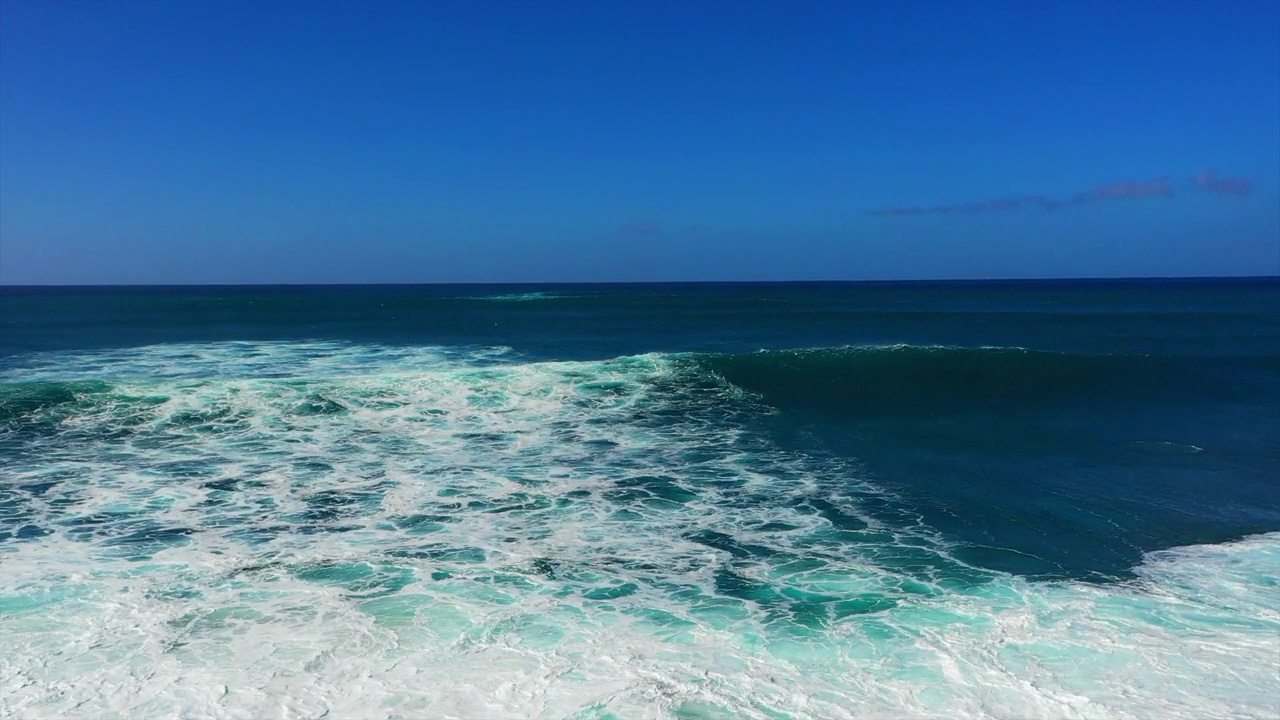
(310, 529)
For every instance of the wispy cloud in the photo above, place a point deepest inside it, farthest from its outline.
(1002, 204)
(1127, 190)
(644, 227)
(1209, 180)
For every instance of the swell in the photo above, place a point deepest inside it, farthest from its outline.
(907, 379)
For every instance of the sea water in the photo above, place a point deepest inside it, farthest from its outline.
(1013, 500)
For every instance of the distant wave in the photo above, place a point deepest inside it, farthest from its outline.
(1164, 447)
(518, 297)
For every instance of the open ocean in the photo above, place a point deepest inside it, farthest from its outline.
(902, 500)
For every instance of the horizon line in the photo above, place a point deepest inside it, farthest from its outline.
(877, 281)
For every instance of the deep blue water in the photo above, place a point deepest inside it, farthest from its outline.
(794, 474)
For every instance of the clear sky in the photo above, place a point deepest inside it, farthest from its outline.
(207, 141)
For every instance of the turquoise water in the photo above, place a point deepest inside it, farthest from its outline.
(1051, 500)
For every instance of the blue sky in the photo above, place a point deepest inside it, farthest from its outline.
(201, 141)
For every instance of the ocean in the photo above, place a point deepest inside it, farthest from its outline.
(811, 500)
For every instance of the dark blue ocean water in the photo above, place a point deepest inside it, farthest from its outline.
(908, 499)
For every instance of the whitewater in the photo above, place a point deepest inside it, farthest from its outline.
(307, 529)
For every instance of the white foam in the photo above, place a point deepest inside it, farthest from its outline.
(541, 540)
(521, 297)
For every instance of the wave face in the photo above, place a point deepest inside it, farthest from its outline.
(907, 379)
(301, 529)
(1045, 464)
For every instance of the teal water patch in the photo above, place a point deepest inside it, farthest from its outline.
(27, 400)
(359, 580)
(35, 599)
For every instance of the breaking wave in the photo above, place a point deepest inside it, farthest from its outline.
(256, 529)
